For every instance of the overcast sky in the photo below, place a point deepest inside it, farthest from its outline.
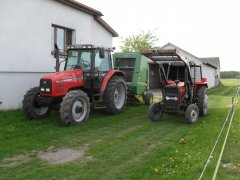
(205, 28)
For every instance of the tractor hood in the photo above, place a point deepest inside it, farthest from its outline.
(68, 75)
(59, 83)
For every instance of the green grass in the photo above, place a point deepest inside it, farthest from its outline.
(126, 146)
(231, 82)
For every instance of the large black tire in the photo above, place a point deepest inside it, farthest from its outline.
(75, 107)
(155, 112)
(115, 95)
(30, 106)
(148, 98)
(192, 114)
(202, 101)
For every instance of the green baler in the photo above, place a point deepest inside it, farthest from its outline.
(135, 68)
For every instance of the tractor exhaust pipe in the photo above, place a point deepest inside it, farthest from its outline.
(56, 56)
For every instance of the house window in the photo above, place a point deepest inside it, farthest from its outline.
(62, 36)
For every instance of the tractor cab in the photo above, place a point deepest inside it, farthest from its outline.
(94, 62)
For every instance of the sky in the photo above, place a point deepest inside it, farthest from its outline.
(204, 28)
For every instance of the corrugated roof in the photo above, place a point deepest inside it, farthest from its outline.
(95, 13)
(210, 61)
(182, 50)
(179, 49)
(213, 61)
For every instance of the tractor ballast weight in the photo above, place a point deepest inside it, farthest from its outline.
(88, 77)
(182, 85)
(136, 74)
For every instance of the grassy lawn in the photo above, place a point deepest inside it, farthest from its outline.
(231, 82)
(126, 146)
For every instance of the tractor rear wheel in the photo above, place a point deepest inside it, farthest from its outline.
(31, 107)
(115, 95)
(202, 101)
(75, 107)
(192, 113)
(155, 112)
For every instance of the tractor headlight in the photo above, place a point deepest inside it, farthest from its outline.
(171, 98)
(46, 86)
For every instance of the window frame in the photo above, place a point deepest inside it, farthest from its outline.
(65, 29)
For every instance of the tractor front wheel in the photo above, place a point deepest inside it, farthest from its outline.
(202, 101)
(115, 95)
(155, 112)
(31, 107)
(75, 107)
(192, 113)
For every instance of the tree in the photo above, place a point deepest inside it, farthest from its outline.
(138, 43)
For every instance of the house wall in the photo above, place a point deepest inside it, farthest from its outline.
(217, 81)
(209, 73)
(25, 42)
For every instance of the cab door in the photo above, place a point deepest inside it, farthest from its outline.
(101, 68)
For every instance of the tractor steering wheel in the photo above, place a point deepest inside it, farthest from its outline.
(86, 64)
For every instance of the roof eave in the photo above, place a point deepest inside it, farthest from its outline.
(95, 13)
(106, 26)
(81, 7)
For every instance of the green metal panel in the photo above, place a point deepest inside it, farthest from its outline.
(138, 71)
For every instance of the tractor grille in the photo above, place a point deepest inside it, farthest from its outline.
(46, 86)
(171, 98)
(126, 65)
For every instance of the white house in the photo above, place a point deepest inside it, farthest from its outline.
(28, 31)
(210, 65)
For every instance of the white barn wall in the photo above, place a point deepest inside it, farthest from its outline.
(25, 42)
(209, 73)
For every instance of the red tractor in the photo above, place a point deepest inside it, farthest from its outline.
(182, 85)
(87, 78)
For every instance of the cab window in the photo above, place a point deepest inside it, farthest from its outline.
(79, 60)
(102, 63)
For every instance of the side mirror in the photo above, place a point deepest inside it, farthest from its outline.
(101, 53)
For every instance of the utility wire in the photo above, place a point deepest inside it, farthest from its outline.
(219, 135)
(220, 156)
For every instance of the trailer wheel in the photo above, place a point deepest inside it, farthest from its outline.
(202, 101)
(115, 95)
(155, 112)
(31, 108)
(75, 107)
(192, 114)
(148, 98)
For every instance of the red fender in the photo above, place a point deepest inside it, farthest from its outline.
(107, 77)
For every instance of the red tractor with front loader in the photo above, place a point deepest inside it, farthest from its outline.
(182, 85)
(88, 77)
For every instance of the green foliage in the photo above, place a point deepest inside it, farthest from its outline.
(230, 74)
(138, 43)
